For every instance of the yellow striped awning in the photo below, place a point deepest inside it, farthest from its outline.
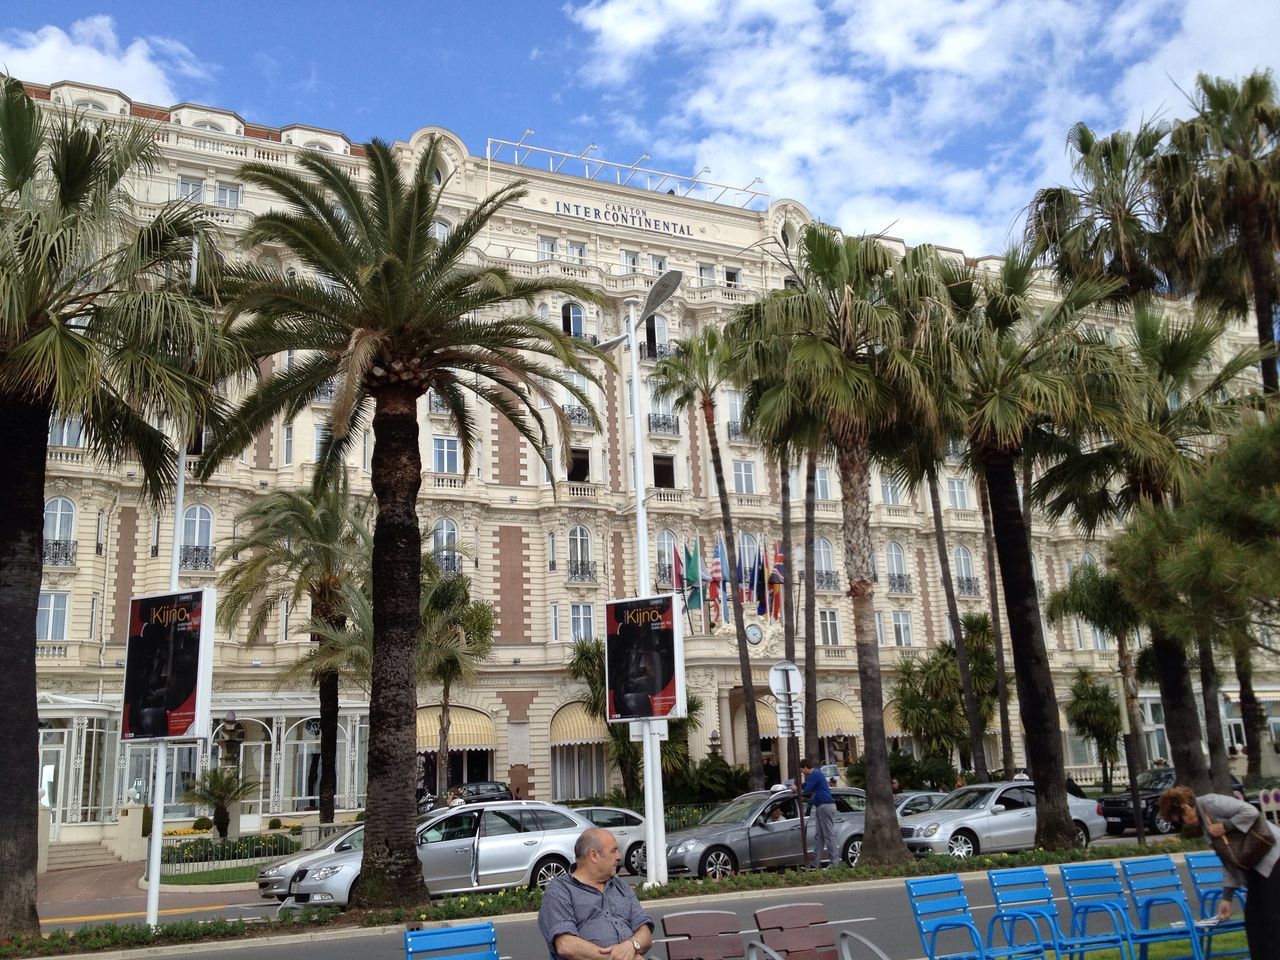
(835, 715)
(468, 729)
(767, 717)
(572, 725)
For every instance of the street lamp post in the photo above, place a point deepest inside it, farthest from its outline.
(655, 830)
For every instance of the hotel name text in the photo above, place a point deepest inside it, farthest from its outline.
(623, 215)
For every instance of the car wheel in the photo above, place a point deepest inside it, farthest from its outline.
(1114, 831)
(1082, 834)
(852, 851)
(1161, 825)
(633, 859)
(963, 845)
(717, 864)
(351, 893)
(546, 870)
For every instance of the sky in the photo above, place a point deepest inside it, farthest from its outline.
(929, 120)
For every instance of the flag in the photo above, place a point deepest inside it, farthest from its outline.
(677, 571)
(716, 576)
(741, 584)
(762, 579)
(776, 579)
(693, 578)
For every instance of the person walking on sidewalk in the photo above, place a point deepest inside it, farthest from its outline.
(824, 814)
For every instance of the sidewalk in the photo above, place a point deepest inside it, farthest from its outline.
(112, 892)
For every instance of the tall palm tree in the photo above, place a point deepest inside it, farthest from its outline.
(1170, 424)
(1094, 715)
(992, 624)
(1220, 186)
(392, 310)
(97, 323)
(690, 377)
(299, 545)
(1107, 224)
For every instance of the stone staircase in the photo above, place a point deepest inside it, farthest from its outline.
(72, 856)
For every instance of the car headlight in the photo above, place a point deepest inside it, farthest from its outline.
(324, 873)
(270, 872)
(686, 845)
(930, 830)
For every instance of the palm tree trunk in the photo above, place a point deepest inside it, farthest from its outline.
(971, 715)
(24, 433)
(810, 607)
(997, 634)
(1181, 721)
(442, 751)
(1037, 700)
(391, 874)
(327, 688)
(1210, 692)
(1261, 275)
(1129, 676)
(754, 758)
(788, 622)
(882, 840)
(1251, 711)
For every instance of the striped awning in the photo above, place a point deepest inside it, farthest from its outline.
(468, 729)
(833, 716)
(767, 717)
(573, 725)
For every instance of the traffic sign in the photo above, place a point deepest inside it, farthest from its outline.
(785, 678)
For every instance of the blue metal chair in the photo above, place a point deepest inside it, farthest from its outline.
(1206, 879)
(1099, 884)
(939, 905)
(1026, 890)
(475, 941)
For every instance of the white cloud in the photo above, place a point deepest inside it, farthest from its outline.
(146, 68)
(940, 117)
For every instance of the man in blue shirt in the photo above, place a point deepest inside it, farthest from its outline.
(824, 814)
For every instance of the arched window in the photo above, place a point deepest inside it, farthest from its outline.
(543, 313)
(571, 319)
(964, 562)
(90, 105)
(59, 520)
(579, 545)
(440, 230)
(895, 560)
(197, 526)
(318, 145)
(208, 125)
(666, 543)
(437, 177)
(823, 559)
(444, 537)
(1088, 559)
(748, 555)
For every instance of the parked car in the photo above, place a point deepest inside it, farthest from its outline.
(482, 846)
(990, 817)
(915, 801)
(627, 827)
(274, 877)
(1117, 808)
(482, 791)
(758, 830)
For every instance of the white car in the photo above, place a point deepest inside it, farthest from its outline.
(274, 877)
(627, 827)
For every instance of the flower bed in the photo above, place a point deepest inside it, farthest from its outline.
(211, 850)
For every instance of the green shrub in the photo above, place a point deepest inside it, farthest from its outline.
(360, 817)
(207, 849)
(202, 823)
(275, 823)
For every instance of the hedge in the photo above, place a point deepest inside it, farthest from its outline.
(208, 849)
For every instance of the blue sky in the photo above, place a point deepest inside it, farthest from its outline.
(932, 120)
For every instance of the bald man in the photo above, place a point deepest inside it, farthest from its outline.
(591, 914)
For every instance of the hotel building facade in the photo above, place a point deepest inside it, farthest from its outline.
(546, 548)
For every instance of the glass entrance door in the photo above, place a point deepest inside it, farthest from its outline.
(53, 751)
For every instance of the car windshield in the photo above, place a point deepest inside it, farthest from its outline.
(331, 839)
(735, 811)
(971, 799)
(1155, 780)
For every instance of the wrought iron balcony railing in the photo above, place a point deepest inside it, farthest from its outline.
(655, 351)
(664, 423)
(899, 583)
(582, 571)
(665, 575)
(590, 338)
(449, 562)
(326, 390)
(577, 415)
(436, 404)
(827, 579)
(59, 553)
(195, 558)
(968, 586)
(735, 430)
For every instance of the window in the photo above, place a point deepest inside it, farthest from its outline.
(963, 562)
(548, 458)
(571, 319)
(706, 274)
(577, 252)
(880, 627)
(191, 188)
(89, 105)
(630, 261)
(748, 554)
(581, 617)
(445, 457)
(548, 247)
(59, 520)
(664, 471)
(895, 559)
(660, 405)
(744, 477)
(286, 445)
(197, 526)
(366, 448)
(890, 492)
(51, 618)
(440, 230)
(829, 627)
(444, 538)
(208, 125)
(321, 436)
(317, 145)
(64, 431)
(822, 484)
(666, 544)
(555, 622)
(579, 465)
(155, 535)
(1088, 559)
(957, 493)
(733, 401)
(551, 551)
(822, 555)
(902, 628)
(657, 264)
(579, 545)
(227, 195)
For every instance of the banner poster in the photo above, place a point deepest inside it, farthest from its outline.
(644, 659)
(168, 671)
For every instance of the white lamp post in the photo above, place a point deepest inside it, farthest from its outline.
(655, 830)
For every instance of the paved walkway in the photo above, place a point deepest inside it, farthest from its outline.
(90, 894)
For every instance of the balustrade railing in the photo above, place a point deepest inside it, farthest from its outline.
(577, 415)
(655, 351)
(826, 579)
(968, 586)
(191, 557)
(899, 583)
(59, 553)
(664, 423)
(582, 571)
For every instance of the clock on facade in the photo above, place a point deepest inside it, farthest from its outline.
(754, 633)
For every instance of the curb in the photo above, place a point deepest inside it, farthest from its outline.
(201, 887)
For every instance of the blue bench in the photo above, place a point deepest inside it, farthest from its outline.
(939, 906)
(475, 941)
(1026, 890)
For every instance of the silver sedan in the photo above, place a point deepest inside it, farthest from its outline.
(627, 827)
(273, 879)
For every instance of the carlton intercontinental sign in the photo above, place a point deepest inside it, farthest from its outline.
(623, 215)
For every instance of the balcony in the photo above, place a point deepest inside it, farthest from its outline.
(195, 558)
(449, 562)
(968, 586)
(827, 580)
(748, 501)
(324, 393)
(579, 417)
(590, 338)
(437, 405)
(665, 575)
(655, 351)
(582, 571)
(899, 583)
(664, 423)
(447, 480)
(59, 553)
(962, 515)
(665, 495)
(735, 431)
(578, 490)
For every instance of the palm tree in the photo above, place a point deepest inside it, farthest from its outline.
(1099, 598)
(97, 324)
(299, 545)
(219, 788)
(1094, 715)
(1220, 186)
(690, 377)
(992, 624)
(1107, 225)
(391, 309)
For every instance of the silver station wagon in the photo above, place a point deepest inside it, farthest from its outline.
(480, 846)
